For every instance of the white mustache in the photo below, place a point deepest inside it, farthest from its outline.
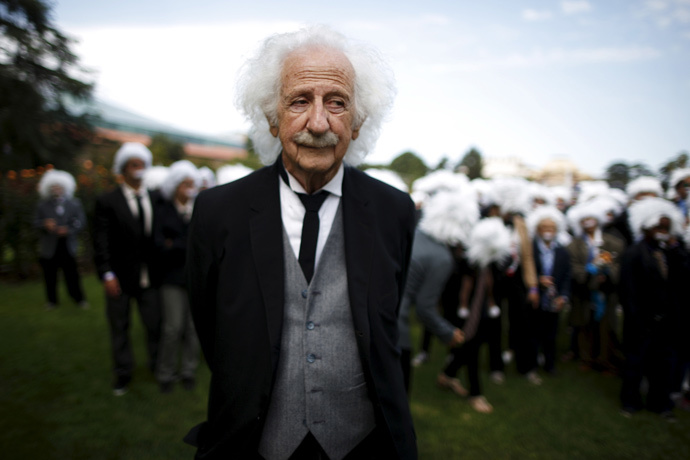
(307, 139)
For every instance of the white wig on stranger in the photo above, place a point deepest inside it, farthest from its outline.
(155, 176)
(591, 189)
(645, 214)
(179, 172)
(677, 176)
(52, 177)
(128, 151)
(208, 177)
(259, 86)
(644, 184)
(484, 190)
(543, 213)
(230, 173)
(388, 177)
(541, 192)
(489, 242)
(512, 195)
(449, 217)
(562, 192)
(441, 180)
(589, 209)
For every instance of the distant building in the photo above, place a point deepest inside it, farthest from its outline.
(559, 171)
(505, 167)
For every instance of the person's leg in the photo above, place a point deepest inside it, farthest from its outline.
(117, 311)
(72, 278)
(191, 348)
(150, 312)
(172, 312)
(50, 278)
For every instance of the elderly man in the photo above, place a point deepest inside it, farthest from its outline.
(295, 302)
(124, 254)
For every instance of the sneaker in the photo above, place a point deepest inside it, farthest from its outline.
(498, 377)
(421, 358)
(669, 416)
(481, 405)
(452, 384)
(121, 385)
(627, 412)
(84, 305)
(533, 378)
(49, 306)
(507, 356)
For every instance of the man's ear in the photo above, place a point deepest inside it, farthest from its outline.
(274, 131)
(355, 134)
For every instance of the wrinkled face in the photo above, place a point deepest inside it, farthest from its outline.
(315, 111)
(547, 230)
(56, 191)
(134, 170)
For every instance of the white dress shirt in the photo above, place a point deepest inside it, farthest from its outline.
(292, 211)
(131, 197)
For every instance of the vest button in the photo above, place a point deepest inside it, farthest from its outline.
(310, 325)
(311, 358)
(304, 294)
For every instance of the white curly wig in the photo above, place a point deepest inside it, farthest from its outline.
(489, 242)
(645, 214)
(388, 177)
(155, 176)
(259, 85)
(542, 213)
(130, 150)
(441, 180)
(208, 177)
(179, 172)
(592, 208)
(512, 195)
(56, 177)
(591, 189)
(449, 217)
(644, 184)
(677, 176)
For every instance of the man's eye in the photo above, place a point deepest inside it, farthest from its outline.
(299, 105)
(335, 106)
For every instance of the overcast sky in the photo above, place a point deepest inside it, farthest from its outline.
(592, 81)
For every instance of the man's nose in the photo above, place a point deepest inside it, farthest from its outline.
(318, 118)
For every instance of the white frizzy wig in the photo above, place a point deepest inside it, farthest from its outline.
(542, 213)
(562, 192)
(259, 86)
(448, 217)
(644, 184)
(542, 192)
(128, 151)
(208, 177)
(441, 180)
(56, 177)
(594, 208)
(677, 176)
(645, 214)
(489, 242)
(512, 195)
(388, 177)
(591, 189)
(230, 173)
(155, 176)
(179, 172)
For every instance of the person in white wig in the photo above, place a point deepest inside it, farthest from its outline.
(653, 293)
(517, 283)
(595, 262)
(125, 260)
(552, 262)
(208, 178)
(154, 177)
(679, 190)
(440, 237)
(230, 173)
(59, 218)
(489, 242)
(644, 187)
(178, 337)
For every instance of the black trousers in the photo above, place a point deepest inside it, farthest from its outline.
(547, 329)
(118, 312)
(650, 357)
(62, 260)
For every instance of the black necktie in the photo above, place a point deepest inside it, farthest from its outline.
(310, 231)
(140, 208)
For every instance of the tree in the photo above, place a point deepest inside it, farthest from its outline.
(681, 161)
(37, 84)
(472, 163)
(617, 175)
(409, 167)
(165, 150)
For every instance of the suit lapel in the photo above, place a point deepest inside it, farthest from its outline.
(358, 225)
(266, 235)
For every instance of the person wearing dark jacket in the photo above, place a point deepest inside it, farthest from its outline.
(125, 259)
(178, 336)
(653, 293)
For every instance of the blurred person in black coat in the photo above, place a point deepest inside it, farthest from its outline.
(125, 259)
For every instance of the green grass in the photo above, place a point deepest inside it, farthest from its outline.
(56, 401)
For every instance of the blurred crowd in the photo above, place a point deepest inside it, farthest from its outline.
(488, 255)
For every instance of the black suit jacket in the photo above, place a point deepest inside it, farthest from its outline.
(236, 286)
(170, 235)
(119, 245)
(561, 272)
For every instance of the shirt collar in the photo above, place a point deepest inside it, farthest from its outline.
(334, 186)
(131, 192)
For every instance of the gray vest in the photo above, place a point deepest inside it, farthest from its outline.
(320, 386)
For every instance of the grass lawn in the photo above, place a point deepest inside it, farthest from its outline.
(56, 401)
